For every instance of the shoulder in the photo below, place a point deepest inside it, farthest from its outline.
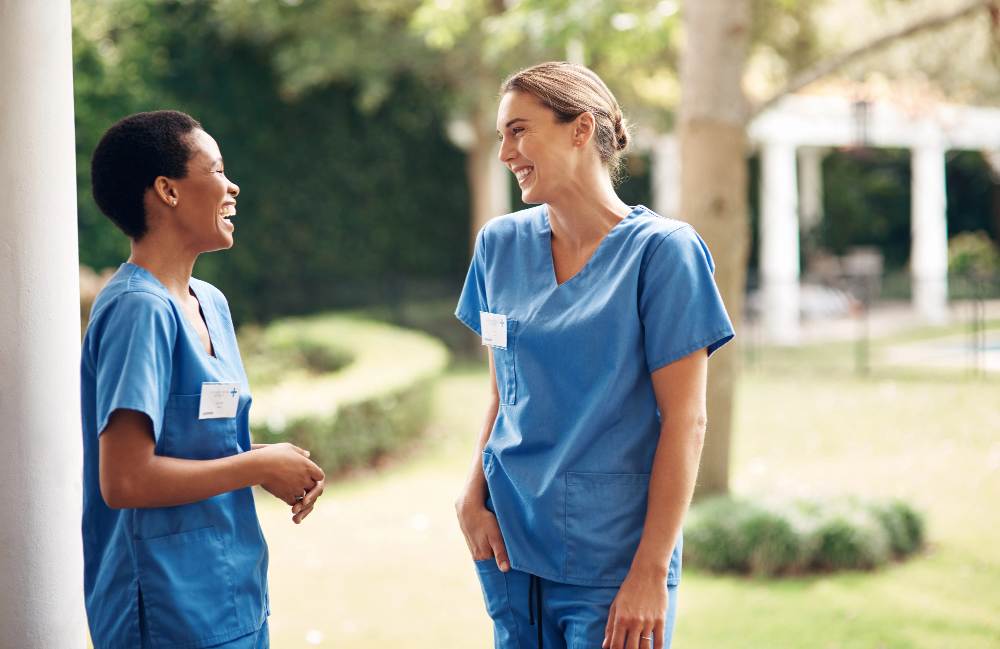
(130, 291)
(656, 230)
(667, 236)
(203, 288)
(670, 242)
(507, 228)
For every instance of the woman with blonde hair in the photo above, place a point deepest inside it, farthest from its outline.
(600, 319)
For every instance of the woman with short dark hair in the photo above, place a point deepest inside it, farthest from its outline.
(600, 319)
(173, 553)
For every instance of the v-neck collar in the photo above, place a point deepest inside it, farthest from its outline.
(201, 309)
(547, 232)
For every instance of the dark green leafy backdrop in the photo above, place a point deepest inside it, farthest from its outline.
(335, 204)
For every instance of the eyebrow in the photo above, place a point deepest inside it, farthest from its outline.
(514, 121)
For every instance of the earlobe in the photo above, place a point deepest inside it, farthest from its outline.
(164, 191)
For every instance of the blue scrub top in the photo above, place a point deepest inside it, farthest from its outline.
(201, 567)
(570, 454)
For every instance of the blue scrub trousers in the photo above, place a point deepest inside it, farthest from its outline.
(260, 639)
(573, 617)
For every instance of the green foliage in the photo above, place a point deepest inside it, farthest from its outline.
(334, 201)
(744, 536)
(866, 201)
(346, 389)
(973, 253)
(466, 47)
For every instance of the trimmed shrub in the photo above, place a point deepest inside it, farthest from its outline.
(346, 389)
(772, 538)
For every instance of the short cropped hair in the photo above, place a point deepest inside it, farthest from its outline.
(130, 156)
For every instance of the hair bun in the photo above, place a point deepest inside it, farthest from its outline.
(621, 132)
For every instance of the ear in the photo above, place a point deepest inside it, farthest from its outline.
(583, 129)
(165, 190)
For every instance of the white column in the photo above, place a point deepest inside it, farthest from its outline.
(779, 243)
(810, 186)
(500, 180)
(929, 231)
(666, 154)
(41, 560)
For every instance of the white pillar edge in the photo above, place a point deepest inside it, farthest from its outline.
(41, 598)
(666, 176)
(929, 230)
(500, 184)
(779, 243)
(810, 169)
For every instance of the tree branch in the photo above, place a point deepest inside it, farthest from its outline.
(828, 65)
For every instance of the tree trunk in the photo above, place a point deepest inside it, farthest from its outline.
(713, 143)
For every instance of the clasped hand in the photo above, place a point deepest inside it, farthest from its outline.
(292, 477)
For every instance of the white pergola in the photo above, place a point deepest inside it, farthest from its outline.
(791, 137)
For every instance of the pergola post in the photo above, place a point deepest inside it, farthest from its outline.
(666, 154)
(929, 229)
(779, 242)
(41, 570)
(810, 186)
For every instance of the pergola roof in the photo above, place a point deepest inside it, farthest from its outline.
(811, 120)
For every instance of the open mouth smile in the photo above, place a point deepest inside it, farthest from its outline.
(523, 173)
(226, 213)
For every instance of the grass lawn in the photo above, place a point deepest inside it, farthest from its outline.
(382, 562)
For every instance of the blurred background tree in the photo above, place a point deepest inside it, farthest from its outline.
(362, 131)
(340, 198)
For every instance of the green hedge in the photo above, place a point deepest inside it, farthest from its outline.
(773, 538)
(346, 389)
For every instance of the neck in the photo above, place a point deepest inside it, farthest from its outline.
(586, 210)
(171, 264)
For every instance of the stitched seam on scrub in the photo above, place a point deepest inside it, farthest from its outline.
(702, 343)
(510, 609)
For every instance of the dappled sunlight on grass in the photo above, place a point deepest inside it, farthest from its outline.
(383, 561)
(933, 442)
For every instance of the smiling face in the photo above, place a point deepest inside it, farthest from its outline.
(544, 154)
(201, 203)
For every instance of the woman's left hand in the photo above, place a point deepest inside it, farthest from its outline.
(305, 506)
(639, 611)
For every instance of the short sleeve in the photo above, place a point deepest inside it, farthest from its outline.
(133, 357)
(473, 299)
(679, 304)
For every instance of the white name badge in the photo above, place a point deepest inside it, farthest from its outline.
(219, 400)
(494, 329)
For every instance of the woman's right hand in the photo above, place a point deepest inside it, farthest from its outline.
(481, 530)
(289, 473)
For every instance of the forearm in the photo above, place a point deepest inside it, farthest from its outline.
(671, 485)
(169, 482)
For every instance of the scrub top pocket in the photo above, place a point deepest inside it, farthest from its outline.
(503, 361)
(187, 589)
(187, 437)
(605, 514)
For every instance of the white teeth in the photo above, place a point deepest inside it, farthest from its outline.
(227, 211)
(522, 173)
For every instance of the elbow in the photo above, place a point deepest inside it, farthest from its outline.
(118, 493)
(699, 429)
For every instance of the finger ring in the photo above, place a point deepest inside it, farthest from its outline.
(298, 499)
(646, 637)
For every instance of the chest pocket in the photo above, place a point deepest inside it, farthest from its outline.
(504, 362)
(187, 437)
